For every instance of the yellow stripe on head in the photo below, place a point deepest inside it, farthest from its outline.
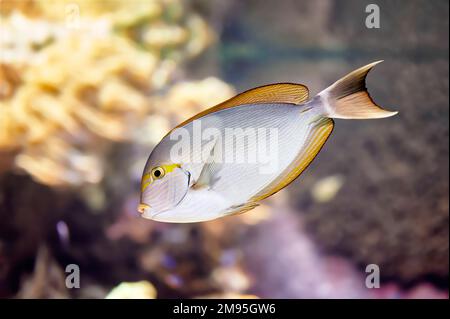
(150, 177)
(170, 168)
(145, 185)
(145, 177)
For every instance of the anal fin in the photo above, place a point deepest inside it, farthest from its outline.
(240, 209)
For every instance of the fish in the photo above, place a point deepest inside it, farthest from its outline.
(226, 159)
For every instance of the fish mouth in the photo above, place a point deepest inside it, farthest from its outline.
(146, 211)
(142, 208)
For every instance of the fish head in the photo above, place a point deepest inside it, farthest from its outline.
(163, 187)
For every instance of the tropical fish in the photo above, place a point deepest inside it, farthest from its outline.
(198, 172)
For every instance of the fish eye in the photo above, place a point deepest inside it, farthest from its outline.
(158, 172)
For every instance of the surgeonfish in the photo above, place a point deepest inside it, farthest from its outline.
(226, 159)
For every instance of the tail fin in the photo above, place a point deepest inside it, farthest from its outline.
(348, 97)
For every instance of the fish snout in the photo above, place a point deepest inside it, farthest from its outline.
(144, 210)
(147, 211)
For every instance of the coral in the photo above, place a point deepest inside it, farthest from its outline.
(63, 114)
(186, 99)
(83, 80)
(133, 290)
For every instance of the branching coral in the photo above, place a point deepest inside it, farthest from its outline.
(69, 89)
(81, 93)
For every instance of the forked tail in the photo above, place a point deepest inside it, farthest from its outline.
(348, 98)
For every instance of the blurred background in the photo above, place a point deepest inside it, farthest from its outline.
(87, 88)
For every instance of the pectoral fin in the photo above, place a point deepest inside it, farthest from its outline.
(209, 173)
(208, 176)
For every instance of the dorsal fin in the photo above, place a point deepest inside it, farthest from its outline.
(273, 93)
(290, 93)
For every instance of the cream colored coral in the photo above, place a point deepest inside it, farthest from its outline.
(133, 290)
(185, 99)
(79, 87)
(67, 90)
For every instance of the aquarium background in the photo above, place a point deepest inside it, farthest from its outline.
(87, 88)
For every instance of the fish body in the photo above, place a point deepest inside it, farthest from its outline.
(225, 160)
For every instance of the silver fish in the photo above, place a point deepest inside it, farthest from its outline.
(223, 161)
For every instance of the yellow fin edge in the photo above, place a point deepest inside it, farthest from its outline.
(316, 140)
